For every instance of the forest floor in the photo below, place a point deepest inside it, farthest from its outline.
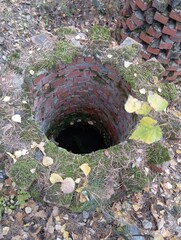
(154, 213)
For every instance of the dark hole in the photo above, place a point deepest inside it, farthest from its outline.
(82, 138)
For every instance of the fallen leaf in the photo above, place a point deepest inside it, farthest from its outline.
(155, 79)
(33, 170)
(16, 118)
(136, 207)
(47, 161)
(54, 178)
(6, 99)
(68, 185)
(40, 146)
(127, 64)
(31, 72)
(5, 230)
(144, 109)
(85, 168)
(157, 102)
(132, 104)
(17, 154)
(82, 198)
(77, 180)
(158, 235)
(178, 151)
(66, 235)
(12, 156)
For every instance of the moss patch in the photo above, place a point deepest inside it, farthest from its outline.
(21, 174)
(99, 33)
(63, 52)
(157, 154)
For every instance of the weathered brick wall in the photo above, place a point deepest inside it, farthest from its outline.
(84, 86)
(157, 26)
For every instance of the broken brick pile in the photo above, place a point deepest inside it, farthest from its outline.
(157, 26)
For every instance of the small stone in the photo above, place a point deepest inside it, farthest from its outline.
(5, 231)
(2, 175)
(2, 40)
(147, 224)
(50, 229)
(66, 217)
(38, 156)
(57, 227)
(28, 210)
(85, 215)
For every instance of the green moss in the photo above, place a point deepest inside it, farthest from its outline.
(65, 31)
(169, 91)
(99, 33)
(21, 174)
(35, 192)
(157, 154)
(13, 56)
(64, 52)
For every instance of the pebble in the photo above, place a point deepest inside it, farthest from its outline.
(2, 40)
(147, 224)
(28, 210)
(5, 231)
(38, 156)
(85, 215)
(66, 217)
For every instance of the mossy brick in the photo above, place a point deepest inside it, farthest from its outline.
(58, 82)
(38, 79)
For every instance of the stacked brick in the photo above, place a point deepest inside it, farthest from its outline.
(157, 26)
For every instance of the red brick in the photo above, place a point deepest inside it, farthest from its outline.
(177, 73)
(137, 21)
(89, 59)
(163, 59)
(176, 38)
(130, 24)
(154, 51)
(146, 38)
(169, 31)
(95, 68)
(124, 24)
(165, 45)
(175, 15)
(74, 74)
(61, 66)
(151, 31)
(133, 5)
(164, 74)
(160, 18)
(142, 5)
(145, 55)
(58, 82)
(172, 67)
(178, 26)
(173, 78)
(123, 34)
(178, 61)
(38, 79)
(49, 78)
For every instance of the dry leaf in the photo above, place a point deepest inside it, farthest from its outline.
(17, 154)
(6, 99)
(136, 207)
(33, 170)
(40, 146)
(85, 168)
(54, 178)
(82, 198)
(178, 151)
(12, 156)
(31, 72)
(68, 185)
(16, 118)
(158, 235)
(47, 161)
(142, 91)
(77, 180)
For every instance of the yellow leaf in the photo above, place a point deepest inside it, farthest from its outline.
(155, 79)
(66, 235)
(148, 121)
(178, 151)
(85, 168)
(136, 207)
(144, 109)
(12, 156)
(80, 189)
(47, 161)
(132, 104)
(157, 102)
(54, 178)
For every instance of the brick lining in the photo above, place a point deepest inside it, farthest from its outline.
(84, 86)
(157, 26)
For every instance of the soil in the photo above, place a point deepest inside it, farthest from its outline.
(155, 212)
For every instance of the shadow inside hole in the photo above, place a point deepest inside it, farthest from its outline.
(82, 138)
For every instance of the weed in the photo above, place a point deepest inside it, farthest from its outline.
(157, 154)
